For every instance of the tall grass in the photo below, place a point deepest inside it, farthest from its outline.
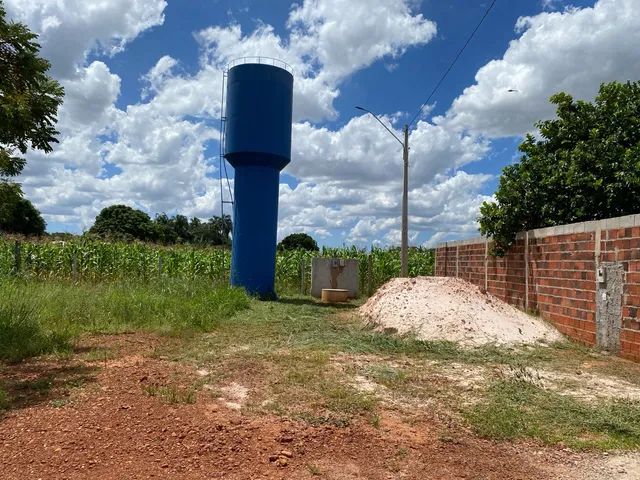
(22, 335)
(39, 317)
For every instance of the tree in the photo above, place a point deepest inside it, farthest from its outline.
(29, 101)
(164, 231)
(585, 165)
(22, 218)
(10, 194)
(298, 241)
(121, 222)
(181, 227)
(216, 231)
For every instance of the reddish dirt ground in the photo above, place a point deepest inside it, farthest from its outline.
(109, 428)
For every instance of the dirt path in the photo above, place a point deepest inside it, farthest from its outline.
(116, 423)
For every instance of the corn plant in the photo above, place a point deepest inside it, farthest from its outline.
(94, 260)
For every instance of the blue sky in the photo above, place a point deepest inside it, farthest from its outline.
(139, 124)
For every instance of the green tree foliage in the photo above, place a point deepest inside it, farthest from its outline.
(180, 229)
(29, 101)
(23, 218)
(216, 231)
(121, 222)
(29, 98)
(298, 241)
(585, 165)
(10, 194)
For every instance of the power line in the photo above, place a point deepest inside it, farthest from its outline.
(435, 89)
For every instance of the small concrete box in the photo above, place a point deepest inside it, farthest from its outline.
(334, 295)
(335, 273)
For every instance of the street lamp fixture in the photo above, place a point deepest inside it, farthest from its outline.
(404, 247)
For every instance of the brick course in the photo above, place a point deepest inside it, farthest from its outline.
(556, 275)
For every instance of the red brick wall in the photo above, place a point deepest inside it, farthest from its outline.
(561, 269)
(623, 245)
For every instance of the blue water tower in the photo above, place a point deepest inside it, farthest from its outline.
(258, 146)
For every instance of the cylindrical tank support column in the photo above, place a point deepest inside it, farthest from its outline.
(258, 146)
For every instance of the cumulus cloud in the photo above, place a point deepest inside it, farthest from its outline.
(324, 45)
(362, 153)
(89, 96)
(370, 215)
(70, 29)
(153, 154)
(573, 51)
(345, 36)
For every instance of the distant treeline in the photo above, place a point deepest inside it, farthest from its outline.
(123, 223)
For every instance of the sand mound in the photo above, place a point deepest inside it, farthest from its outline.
(444, 308)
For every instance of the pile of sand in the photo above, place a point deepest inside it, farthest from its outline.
(443, 308)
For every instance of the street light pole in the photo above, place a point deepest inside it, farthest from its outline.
(404, 248)
(404, 240)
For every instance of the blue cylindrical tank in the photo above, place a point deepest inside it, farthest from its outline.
(258, 146)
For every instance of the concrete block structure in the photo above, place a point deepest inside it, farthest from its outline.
(335, 273)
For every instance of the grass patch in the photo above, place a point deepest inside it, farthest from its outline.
(41, 385)
(38, 317)
(285, 348)
(22, 334)
(303, 385)
(313, 469)
(63, 309)
(171, 394)
(4, 400)
(59, 402)
(515, 408)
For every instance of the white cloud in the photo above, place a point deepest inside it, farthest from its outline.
(367, 215)
(152, 155)
(346, 35)
(89, 96)
(550, 4)
(572, 51)
(362, 153)
(325, 45)
(70, 29)
(158, 75)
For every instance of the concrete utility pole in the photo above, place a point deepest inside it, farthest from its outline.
(404, 247)
(404, 253)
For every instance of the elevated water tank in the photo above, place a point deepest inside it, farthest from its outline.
(258, 146)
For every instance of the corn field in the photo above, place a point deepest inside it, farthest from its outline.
(95, 261)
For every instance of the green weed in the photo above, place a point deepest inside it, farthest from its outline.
(514, 408)
(4, 400)
(22, 334)
(172, 307)
(171, 394)
(59, 402)
(313, 469)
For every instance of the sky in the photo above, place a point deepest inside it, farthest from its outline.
(140, 121)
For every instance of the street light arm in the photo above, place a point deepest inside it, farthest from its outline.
(382, 123)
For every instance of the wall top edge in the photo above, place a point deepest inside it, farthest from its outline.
(627, 221)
